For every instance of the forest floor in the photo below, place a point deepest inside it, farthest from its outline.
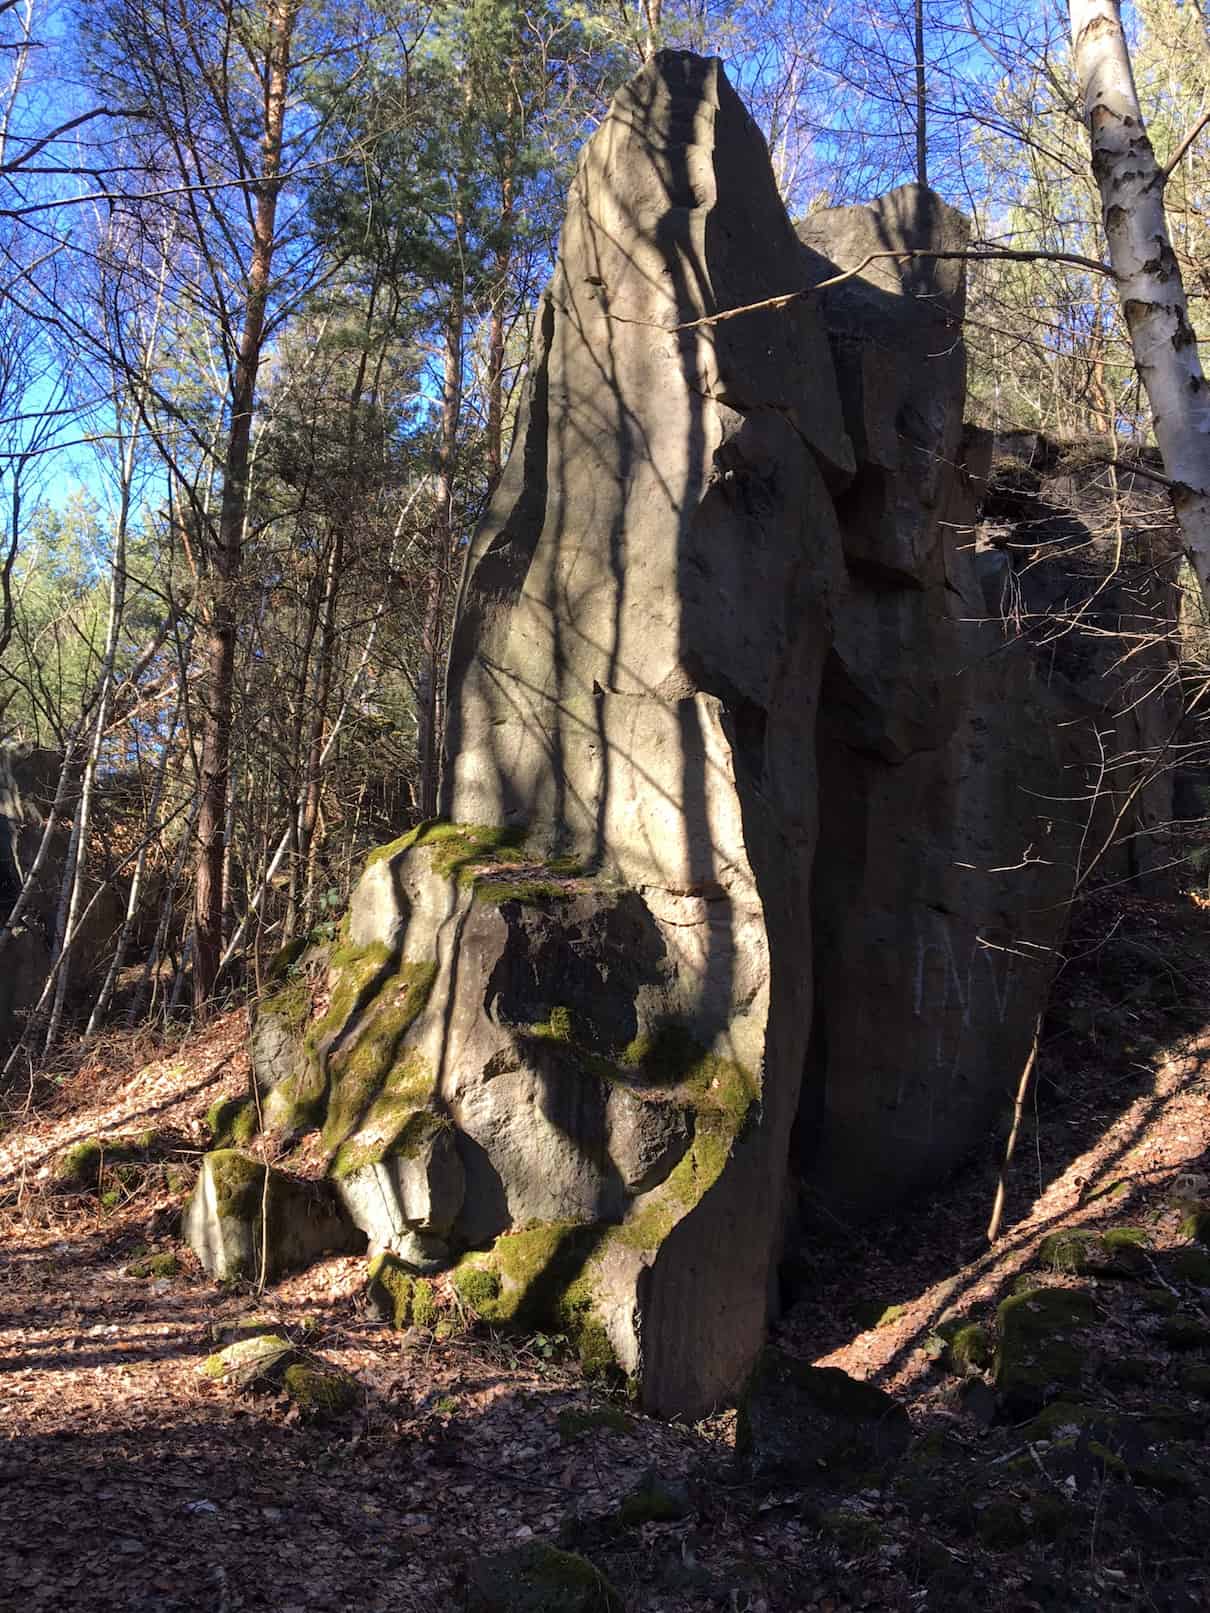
(129, 1480)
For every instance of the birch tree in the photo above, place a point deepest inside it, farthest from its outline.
(1131, 183)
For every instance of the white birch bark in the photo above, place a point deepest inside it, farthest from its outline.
(1131, 183)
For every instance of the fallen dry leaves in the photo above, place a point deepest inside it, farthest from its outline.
(128, 1481)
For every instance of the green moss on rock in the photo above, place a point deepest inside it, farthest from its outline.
(851, 1530)
(478, 1286)
(575, 1421)
(457, 850)
(537, 1578)
(425, 1310)
(654, 1500)
(1184, 1333)
(160, 1265)
(1195, 1379)
(970, 1348)
(239, 1183)
(1196, 1224)
(1040, 1344)
(1191, 1266)
(373, 1081)
(284, 959)
(543, 1275)
(319, 1391)
(1077, 1251)
(232, 1121)
(85, 1163)
(390, 1287)
(258, 1362)
(1127, 1370)
(807, 1423)
(291, 1005)
(1001, 1526)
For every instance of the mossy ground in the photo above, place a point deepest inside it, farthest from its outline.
(116, 1167)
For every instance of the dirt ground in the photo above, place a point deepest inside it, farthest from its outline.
(130, 1480)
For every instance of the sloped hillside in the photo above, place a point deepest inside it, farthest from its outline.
(1057, 1385)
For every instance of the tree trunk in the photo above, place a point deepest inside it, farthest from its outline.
(432, 638)
(495, 347)
(222, 613)
(1131, 184)
(922, 161)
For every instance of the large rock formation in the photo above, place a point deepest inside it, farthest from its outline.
(724, 609)
(954, 759)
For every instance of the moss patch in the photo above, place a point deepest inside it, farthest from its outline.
(537, 1578)
(1117, 1253)
(575, 1421)
(87, 1164)
(238, 1183)
(1195, 1379)
(656, 1213)
(284, 959)
(161, 1265)
(373, 1082)
(319, 1391)
(540, 1277)
(1184, 1333)
(1192, 1266)
(424, 1303)
(1040, 1343)
(291, 1005)
(969, 1348)
(809, 1422)
(653, 1500)
(389, 1287)
(477, 1285)
(232, 1121)
(457, 850)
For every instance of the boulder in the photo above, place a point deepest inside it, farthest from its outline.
(242, 1211)
(1042, 1348)
(810, 1424)
(537, 1578)
(258, 1361)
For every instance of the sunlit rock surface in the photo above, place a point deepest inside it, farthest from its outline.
(757, 825)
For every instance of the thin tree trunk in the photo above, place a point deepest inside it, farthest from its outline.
(922, 161)
(495, 346)
(105, 996)
(222, 615)
(1131, 184)
(319, 715)
(432, 638)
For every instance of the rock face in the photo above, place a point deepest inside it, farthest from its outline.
(757, 827)
(952, 757)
